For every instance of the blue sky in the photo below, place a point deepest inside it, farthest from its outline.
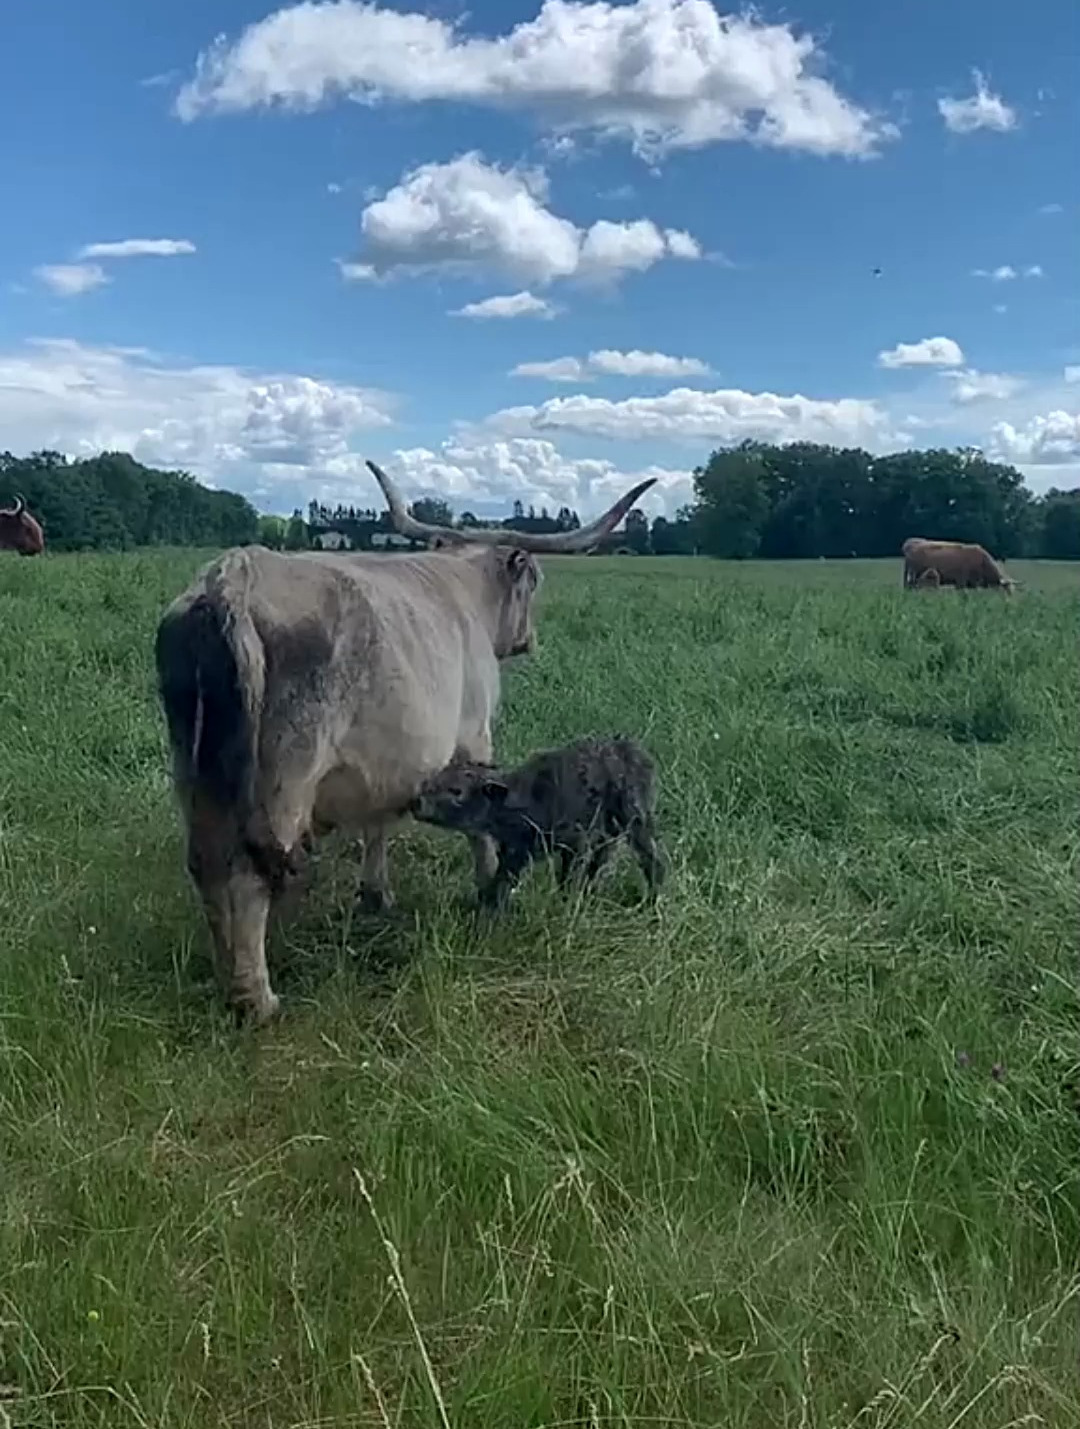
(534, 252)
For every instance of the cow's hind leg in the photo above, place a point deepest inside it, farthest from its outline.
(236, 900)
(375, 894)
(247, 979)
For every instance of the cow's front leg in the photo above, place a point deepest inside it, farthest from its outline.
(375, 895)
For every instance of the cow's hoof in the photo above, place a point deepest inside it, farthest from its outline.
(375, 900)
(259, 1012)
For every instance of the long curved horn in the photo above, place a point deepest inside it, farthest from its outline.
(19, 507)
(579, 540)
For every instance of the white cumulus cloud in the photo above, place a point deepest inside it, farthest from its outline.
(505, 306)
(68, 280)
(969, 385)
(687, 414)
(495, 473)
(681, 244)
(1052, 439)
(981, 110)
(469, 216)
(611, 363)
(929, 352)
(138, 248)
(664, 74)
(1006, 273)
(559, 369)
(646, 364)
(235, 427)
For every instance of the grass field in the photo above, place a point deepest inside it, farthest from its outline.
(801, 1148)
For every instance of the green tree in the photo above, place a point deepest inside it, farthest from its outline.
(271, 532)
(1059, 536)
(296, 533)
(674, 538)
(732, 505)
(432, 511)
(636, 535)
(111, 501)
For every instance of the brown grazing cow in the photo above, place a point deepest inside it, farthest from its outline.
(577, 802)
(19, 531)
(958, 563)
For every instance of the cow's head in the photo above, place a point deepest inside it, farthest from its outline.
(518, 574)
(519, 578)
(19, 531)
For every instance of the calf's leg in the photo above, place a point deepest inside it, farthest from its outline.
(476, 747)
(495, 893)
(642, 837)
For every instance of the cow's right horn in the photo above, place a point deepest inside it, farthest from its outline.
(555, 541)
(19, 507)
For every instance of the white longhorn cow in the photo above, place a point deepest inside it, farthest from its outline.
(315, 690)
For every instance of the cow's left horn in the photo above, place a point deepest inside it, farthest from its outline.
(579, 540)
(19, 507)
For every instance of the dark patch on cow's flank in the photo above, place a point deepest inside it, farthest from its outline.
(299, 653)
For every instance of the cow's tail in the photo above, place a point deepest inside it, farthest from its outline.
(212, 677)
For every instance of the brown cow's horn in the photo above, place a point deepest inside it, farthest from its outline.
(19, 507)
(579, 540)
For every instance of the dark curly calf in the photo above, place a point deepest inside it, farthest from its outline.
(577, 802)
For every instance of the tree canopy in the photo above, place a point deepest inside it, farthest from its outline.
(806, 500)
(113, 501)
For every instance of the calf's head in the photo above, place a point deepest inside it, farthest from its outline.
(461, 796)
(19, 531)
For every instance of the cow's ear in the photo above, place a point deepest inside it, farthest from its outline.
(517, 563)
(495, 790)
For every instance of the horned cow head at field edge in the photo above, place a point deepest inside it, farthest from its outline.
(19, 531)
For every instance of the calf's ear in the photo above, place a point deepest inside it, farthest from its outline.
(495, 790)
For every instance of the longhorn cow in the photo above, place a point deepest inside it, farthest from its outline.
(19, 531)
(958, 563)
(310, 691)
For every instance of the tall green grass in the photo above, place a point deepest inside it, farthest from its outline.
(800, 1148)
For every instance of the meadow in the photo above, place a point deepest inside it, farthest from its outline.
(799, 1148)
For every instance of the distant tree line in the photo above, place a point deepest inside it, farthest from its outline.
(806, 500)
(751, 500)
(111, 501)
